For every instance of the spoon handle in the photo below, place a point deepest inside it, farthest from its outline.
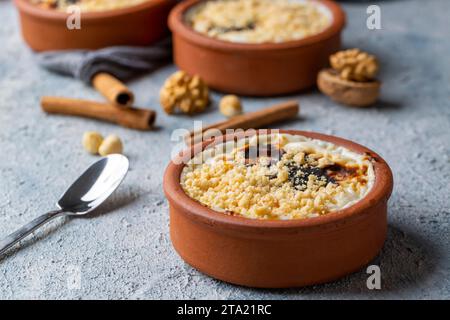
(18, 235)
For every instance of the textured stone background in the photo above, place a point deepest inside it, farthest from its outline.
(124, 251)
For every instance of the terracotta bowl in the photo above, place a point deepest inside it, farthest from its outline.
(137, 25)
(254, 69)
(276, 254)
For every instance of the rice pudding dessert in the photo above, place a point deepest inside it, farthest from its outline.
(87, 5)
(259, 21)
(277, 176)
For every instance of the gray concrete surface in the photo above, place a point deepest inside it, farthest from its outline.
(124, 250)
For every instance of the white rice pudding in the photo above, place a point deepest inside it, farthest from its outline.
(278, 176)
(259, 21)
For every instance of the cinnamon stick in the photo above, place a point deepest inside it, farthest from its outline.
(253, 120)
(113, 89)
(140, 119)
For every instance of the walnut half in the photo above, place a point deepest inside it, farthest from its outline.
(351, 80)
(352, 93)
(355, 65)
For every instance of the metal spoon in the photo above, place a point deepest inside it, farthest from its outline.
(90, 190)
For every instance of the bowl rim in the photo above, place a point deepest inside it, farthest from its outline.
(36, 11)
(381, 191)
(177, 26)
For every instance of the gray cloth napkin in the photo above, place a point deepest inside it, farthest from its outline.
(123, 62)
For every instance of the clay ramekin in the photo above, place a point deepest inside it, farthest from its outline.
(254, 69)
(276, 254)
(137, 25)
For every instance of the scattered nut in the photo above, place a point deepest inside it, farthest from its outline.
(188, 93)
(112, 144)
(230, 105)
(354, 64)
(92, 141)
(358, 94)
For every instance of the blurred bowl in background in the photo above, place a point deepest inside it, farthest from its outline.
(263, 69)
(138, 25)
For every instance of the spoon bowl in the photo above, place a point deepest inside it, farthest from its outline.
(95, 185)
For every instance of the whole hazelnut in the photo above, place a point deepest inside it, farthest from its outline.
(112, 144)
(230, 106)
(92, 141)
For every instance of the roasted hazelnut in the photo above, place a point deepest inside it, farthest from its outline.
(230, 106)
(92, 141)
(111, 145)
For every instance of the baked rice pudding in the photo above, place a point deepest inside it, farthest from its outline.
(259, 21)
(87, 5)
(277, 176)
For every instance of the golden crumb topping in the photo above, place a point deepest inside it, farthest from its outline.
(284, 177)
(258, 21)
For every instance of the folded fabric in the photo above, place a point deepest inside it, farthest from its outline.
(123, 62)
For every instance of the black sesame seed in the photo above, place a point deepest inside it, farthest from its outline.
(299, 174)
